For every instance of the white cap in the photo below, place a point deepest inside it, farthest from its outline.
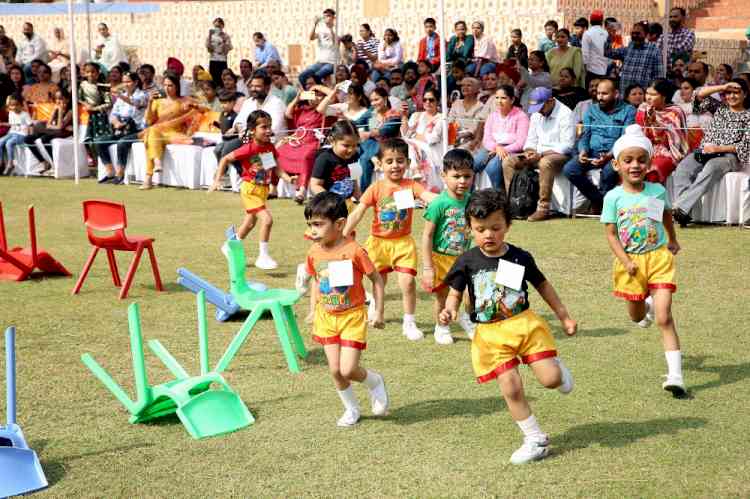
(633, 137)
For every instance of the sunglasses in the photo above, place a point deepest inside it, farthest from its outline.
(429, 99)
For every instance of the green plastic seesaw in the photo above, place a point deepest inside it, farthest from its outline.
(203, 410)
(278, 302)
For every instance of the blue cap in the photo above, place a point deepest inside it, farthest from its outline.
(538, 97)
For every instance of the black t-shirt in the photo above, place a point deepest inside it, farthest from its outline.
(226, 121)
(330, 168)
(490, 301)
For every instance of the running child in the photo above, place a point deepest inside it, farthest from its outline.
(258, 159)
(446, 236)
(508, 332)
(390, 244)
(641, 235)
(337, 265)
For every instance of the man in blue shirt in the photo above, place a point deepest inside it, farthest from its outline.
(264, 51)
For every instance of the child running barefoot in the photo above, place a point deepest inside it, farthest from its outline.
(495, 274)
(390, 244)
(446, 235)
(337, 264)
(642, 237)
(258, 158)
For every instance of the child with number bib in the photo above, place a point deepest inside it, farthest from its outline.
(337, 265)
(508, 332)
(642, 237)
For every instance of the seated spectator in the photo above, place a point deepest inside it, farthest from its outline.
(469, 115)
(566, 56)
(429, 46)
(567, 91)
(327, 42)
(65, 83)
(461, 45)
(356, 107)
(580, 110)
(458, 72)
(390, 55)
(485, 52)
(665, 126)
(59, 126)
(114, 80)
(175, 66)
(679, 69)
(603, 124)
(725, 146)
(505, 133)
(227, 117)
(14, 84)
(724, 74)
(538, 76)
(108, 51)
(696, 123)
(489, 87)
(424, 133)
(8, 49)
(426, 81)
(296, 152)
(348, 50)
(547, 41)
(517, 50)
(218, 44)
(146, 73)
(31, 48)
(579, 29)
(281, 87)
(361, 77)
(548, 146)
(198, 74)
(246, 74)
(128, 119)
(59, 53)
(38, 93)
(342, 73)
(265, 52)
(208, 96)
(94, 98)
(229, 84)
(635, 95)
(367, 45)
(20, 124)
(384, 123)
(386, 85)
(404, 90)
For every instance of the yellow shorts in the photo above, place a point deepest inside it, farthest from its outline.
(348, 329)
(497, 346)
(441, 265)
(253, 196)
(655, 271)
(389, 255)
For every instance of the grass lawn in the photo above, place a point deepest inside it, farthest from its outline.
(617, 435)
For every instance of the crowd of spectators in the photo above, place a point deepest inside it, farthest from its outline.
(556, 106)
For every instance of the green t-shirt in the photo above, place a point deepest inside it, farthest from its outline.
(629, 212)
(451, 230)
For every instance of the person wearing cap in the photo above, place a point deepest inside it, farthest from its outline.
(641, 61)
(603, 124)
(592, 45)
(550, 140)
(218, 44)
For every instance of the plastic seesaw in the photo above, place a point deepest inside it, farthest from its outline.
(204, 411)
(20, 470)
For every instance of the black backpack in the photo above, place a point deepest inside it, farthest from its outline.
(524, 193)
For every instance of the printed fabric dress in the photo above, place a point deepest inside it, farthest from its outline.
(297, 154)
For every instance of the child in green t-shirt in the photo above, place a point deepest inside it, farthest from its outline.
(446, 235)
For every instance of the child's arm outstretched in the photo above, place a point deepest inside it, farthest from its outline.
(549, 294)
(378, 291)
(220, 171)
(427, 196)
(428, 271)
(616, 246)
(450, 312)
(672, 245)
(354, 218)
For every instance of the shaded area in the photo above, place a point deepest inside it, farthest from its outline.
(728, 374)
(429, 410)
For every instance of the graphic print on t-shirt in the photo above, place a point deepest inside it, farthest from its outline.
(455, 236)
(637, 232)
(390, 217)
(254, 172)
(494, 302)
(333, 299)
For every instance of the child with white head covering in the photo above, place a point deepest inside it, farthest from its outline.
(642, 237)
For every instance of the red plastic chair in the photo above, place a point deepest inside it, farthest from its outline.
(105, 216)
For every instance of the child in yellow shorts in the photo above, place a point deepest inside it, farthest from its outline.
(446, 235)
(390, 245)
(641, 234)
(258, 159)
(337, 265)
(508, 332)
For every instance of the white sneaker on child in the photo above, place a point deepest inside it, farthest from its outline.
(675, 385)
(443, 335)
(379, 396)
(411, 331)
(649, 318)
(265, 262)
(567, 379)
(464, 320)
(302, 279)
(348, 419)
(533, 449)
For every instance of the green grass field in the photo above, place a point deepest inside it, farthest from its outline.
(617, 435)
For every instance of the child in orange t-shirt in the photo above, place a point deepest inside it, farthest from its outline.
(390, 244)
(337, 264)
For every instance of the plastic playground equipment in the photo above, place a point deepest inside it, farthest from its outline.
(17, 264)
(20, 470)
(204, 411)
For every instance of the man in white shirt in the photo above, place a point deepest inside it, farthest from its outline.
(30, 48)
(548, 146)
(592, 46)
(328, 48)
(108, 52)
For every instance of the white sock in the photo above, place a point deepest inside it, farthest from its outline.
(372, 379)
(440, 329)
(263, 248)
(530, 428)
(409, 318)
(349, 399)
(674, 362)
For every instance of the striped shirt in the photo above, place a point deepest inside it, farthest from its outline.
(367, 48)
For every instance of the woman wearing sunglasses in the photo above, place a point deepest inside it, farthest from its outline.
(424, 133)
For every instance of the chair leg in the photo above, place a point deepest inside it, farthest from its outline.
(131, 272)
(85, 270)
(297, 342)
(239, 338)
(155, 267)
(113, 267)
(282, 331)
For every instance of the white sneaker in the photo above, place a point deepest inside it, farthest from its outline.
(411, 331)
(649, 319)
(675, 385)
(533, 449)
(265, 262)
(567, 379)
(443, 335)
(9, 170)
(302, 279)
(372, 310)
(348, 419)
(379, 398)
(465, 322)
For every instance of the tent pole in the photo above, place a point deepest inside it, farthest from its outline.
(74, 89)
(443, 75)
